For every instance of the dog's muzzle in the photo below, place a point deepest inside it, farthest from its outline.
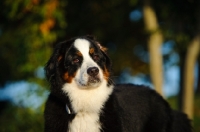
(90, 78)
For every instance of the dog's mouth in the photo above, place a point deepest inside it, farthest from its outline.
(93, 82)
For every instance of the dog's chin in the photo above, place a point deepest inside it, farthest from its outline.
(92, 83)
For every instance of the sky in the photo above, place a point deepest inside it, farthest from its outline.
(24, 94)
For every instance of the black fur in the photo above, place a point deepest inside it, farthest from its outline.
(130, 108)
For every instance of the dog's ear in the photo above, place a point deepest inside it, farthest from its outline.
(55, 59)
(104, 51)
(51, 65)
(108, 61)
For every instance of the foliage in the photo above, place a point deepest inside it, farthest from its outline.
(178, 23)
(27, 30)
(19, 119)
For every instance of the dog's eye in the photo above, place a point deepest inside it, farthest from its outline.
(96, 57)
(76, 60)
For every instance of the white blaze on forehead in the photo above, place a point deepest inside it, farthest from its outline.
(83, 46)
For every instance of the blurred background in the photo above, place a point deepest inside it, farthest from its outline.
(150, 42)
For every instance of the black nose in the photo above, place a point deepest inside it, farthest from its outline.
(92, 71)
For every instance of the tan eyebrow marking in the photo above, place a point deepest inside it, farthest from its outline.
(91, 50)
(79, 53)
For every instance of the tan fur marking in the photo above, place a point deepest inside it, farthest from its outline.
(79, 53)
(91, 50)
(67, 78)
(106, 74)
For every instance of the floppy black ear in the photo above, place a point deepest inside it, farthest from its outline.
(108, 64)
(55, 59)
(50, 67)
(108, 60)
(104, 51)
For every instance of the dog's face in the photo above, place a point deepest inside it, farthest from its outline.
(86, 64)
(81, 61)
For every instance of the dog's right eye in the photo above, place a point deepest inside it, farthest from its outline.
(96, 57)
(75, 60)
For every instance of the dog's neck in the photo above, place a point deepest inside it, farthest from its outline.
(87, 105)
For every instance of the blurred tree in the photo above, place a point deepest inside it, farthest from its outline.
(191, 58)
(26, 30)
(154, 44)
(179, 22)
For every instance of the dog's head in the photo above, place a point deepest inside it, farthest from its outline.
(81, 61)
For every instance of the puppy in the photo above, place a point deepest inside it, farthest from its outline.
(84, 99)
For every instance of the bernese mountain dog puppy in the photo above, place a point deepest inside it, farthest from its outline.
(83, 98)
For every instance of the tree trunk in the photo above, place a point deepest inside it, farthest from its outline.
(154, 44)
(191, 58)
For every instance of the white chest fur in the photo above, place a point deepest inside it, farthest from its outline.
(85, 122)
(87, 104)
